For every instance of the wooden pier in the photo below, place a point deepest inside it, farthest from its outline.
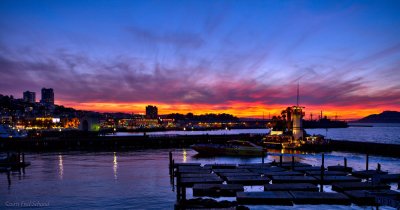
(281, 184)
(79, 140)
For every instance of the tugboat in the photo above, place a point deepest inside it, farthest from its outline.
(231, 148)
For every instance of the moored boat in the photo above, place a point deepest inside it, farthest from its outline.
(7, 131)
(231, 148)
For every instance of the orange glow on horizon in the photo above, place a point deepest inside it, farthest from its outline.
(239, 109)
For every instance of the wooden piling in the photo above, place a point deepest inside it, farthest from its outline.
(292, 162)
(171, 166)
(280, 160)
(8, 178)
(378, 167)
(345, 163)
(178, 185)
(321, 184)
(262, 158)
(172, 169)
(366, 162)
(23, 158)
(183, 193)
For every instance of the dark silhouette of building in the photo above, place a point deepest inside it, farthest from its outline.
(29, 97)
(151, 112)
(47, 96)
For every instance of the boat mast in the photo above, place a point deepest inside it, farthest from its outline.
(298, 87)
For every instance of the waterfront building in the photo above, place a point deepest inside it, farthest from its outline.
(8, 120)
(126, 123)
(29, 97)
(107, 123)
(147, 123)
(170, 123)
(47, 96)
(71, 123)
(89, 123)
(151, 112)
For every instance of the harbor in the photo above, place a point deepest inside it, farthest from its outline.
(55, 176)
(188, 105)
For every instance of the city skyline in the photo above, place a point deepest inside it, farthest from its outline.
(234, 57)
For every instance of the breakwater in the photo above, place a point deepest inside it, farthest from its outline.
(94, 142)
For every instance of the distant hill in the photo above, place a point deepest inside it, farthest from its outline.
(384, 117)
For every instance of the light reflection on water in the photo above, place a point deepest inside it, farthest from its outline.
(60, 166)
(184, 154)
(137, 180)
(115, 166)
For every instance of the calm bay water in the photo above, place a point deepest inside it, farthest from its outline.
(388, 133)
(132, 180)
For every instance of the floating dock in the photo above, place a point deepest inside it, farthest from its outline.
(281, 184)
(291, 187)
(266, 198)
(306, 197)
(217, 190)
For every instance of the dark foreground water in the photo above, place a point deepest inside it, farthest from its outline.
(132, 180)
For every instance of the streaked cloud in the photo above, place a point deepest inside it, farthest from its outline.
(244, 59)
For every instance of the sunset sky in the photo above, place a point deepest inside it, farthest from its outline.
(240, 57)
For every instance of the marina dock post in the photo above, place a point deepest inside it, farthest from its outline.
(172, 169)
(345, 163)
(9, 177)
(171, 166)
(183, 195)
(321, 185)
(378, 168)
(366, 162)
(292, 162)
(178, 185)
(280, 160)
(262, 157)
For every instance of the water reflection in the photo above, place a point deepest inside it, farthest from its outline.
(184, 156)
(89, 181)
(115, 166)
(60, 167)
